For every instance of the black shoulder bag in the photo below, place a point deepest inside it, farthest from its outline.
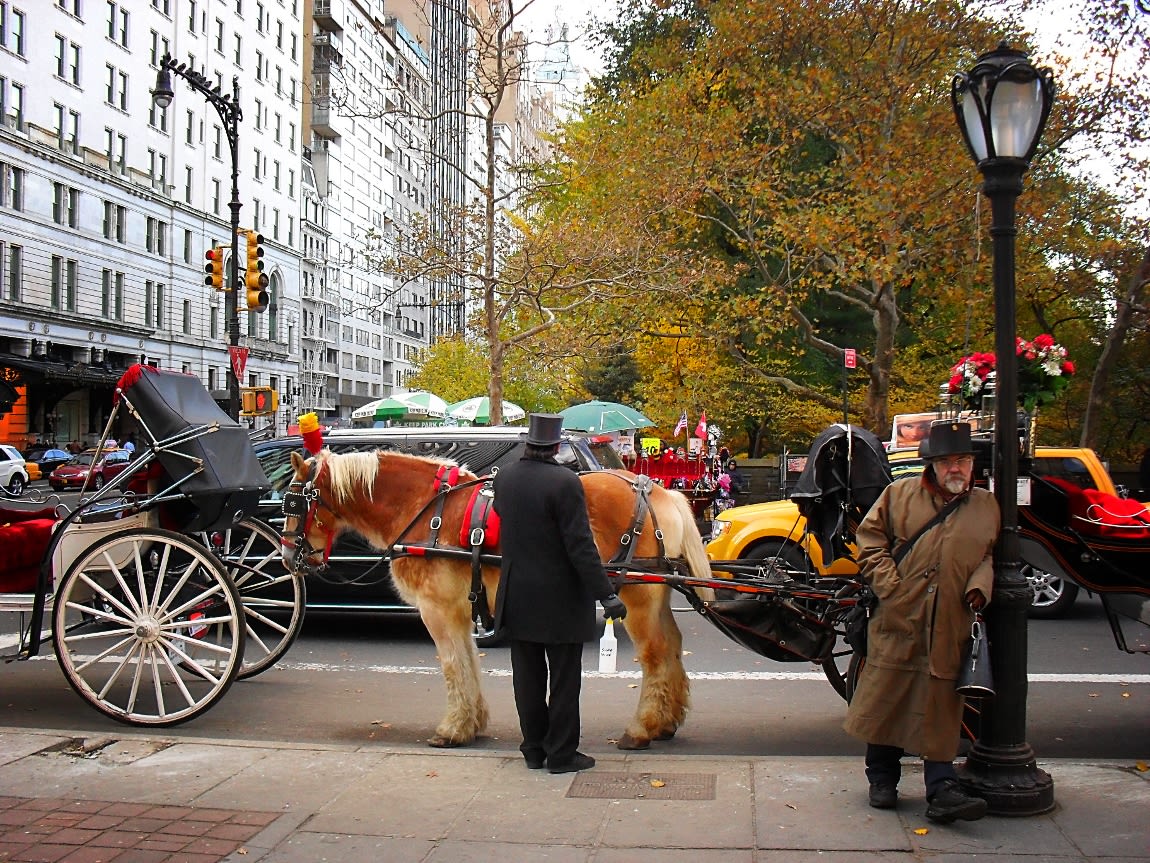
(857, 620)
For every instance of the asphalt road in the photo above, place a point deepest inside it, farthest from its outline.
(364, 678)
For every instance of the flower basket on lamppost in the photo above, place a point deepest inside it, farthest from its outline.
(1001, 106)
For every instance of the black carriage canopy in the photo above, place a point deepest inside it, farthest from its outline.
(846, 471)
(231, 481)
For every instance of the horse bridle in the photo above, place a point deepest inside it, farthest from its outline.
(302, 501)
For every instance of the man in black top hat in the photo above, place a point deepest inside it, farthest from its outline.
(905, 699)
(551, 576)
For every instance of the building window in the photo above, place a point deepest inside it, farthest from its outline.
(116, 88)
(188, 184)
(65, 274)
(12, 29)
(67, 60)
(112, 299)
(259, 65)
(156, 236)
(259, 114)
(187, 317)
(218, 144)
(192, 15)
(65, 205)
(214, 332)
(291, 137)
(187, 246)
(162, 6)
(157, 117)
(11, 104)
(216, 197)
(12, 191)
(118, 23)
(15, 271)
(67, 129)
(153, 304)
(161, 48)
(115, 218)
(239, 56)
(219, 36)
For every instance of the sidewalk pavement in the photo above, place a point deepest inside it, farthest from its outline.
(136, 797)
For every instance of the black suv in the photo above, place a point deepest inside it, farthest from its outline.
(356, 580)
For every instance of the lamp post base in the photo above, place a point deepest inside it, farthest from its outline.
(1008, 778)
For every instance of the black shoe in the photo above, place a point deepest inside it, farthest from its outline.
(536, 759)
(951, 803)
(883, 795)
(577, 763)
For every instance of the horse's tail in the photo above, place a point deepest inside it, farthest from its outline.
(692, 549)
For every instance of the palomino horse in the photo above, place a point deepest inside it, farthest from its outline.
(390, 497)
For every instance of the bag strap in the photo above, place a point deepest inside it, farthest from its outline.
(939, 517)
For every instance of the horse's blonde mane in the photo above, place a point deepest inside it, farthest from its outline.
(350, 472)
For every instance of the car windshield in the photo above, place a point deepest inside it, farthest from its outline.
(606, 454)
(83, 459)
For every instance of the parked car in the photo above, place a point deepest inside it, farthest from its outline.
(102, 466)
(766, 530)
(13, 471)
(46, 459)
(356, 579)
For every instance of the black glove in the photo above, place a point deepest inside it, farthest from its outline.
(613, 607)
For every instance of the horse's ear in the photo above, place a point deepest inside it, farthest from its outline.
(297, 462)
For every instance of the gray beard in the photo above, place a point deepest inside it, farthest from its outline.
(954, 485)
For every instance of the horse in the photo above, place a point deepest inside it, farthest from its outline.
(391, 498)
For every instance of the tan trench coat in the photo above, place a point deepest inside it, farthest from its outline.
(905, 696)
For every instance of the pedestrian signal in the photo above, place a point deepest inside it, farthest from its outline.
(258, 401)
(214, 268)
(255, 279)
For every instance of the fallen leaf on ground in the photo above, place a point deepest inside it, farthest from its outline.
(431, 774)
(657, 783)
(921, 831)
(1141, 766)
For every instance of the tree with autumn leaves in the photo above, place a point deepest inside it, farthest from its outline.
(805, 158)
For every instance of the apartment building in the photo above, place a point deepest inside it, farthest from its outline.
(109, 202)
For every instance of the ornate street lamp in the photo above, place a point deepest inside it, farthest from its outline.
(1001, 106)
(228, 107)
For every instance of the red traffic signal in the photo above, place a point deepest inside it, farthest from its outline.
(214, 268)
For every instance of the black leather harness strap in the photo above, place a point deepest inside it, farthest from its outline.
(476, 536)
(624, 557)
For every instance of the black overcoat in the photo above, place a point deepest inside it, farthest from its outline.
(551, 570)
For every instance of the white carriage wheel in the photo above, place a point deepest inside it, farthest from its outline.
(147, 627)
(274, 600)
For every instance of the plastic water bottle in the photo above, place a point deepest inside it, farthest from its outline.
(608, 647)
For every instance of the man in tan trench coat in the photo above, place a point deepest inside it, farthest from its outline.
(905, 699)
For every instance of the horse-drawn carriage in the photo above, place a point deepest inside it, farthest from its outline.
(158, 588)
(430, 518)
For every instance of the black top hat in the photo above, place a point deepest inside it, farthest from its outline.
(545, 430)
(947, 437)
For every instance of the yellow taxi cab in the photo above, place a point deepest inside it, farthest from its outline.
(776, 530)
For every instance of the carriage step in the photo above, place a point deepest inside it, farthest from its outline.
(20, 602)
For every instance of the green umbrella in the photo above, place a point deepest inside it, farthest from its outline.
(478, 410)
(424, 403)
(600, 416)
(382, 409)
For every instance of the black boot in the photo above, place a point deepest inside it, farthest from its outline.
(951, 803)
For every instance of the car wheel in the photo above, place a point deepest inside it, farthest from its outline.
(97, 482)
(1054, 596)
(16, 485)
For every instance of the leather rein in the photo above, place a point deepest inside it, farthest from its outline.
(303, 502)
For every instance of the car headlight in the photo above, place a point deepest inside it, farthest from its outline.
(718, 528)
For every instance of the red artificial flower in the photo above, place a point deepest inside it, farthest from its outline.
(1068, 367)
(1044, 341)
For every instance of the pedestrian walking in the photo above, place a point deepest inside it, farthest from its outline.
(551, 576)
(925, 548)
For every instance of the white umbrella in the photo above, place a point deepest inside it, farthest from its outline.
(478, 410)
(423, 402)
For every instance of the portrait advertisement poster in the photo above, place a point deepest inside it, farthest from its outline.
(625, 445)
(910, 429)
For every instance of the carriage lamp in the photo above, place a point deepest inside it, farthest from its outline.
(1001, 106)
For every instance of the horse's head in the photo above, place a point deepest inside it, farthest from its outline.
(308, 531)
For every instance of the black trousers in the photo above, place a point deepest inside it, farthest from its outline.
(550, 724)
(883, 765)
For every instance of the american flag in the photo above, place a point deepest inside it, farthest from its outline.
(701, 428)
(681, 425)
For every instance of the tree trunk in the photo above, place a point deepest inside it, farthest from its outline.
(1123, 318)
(885, 316)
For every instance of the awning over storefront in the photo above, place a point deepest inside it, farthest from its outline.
(48, 371)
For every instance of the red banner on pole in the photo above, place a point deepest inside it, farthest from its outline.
(850, 358)
(239, 361)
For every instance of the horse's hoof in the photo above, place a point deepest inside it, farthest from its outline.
(444, 742)
(666, 735)
(627, 742)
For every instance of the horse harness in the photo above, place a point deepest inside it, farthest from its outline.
(479, 531)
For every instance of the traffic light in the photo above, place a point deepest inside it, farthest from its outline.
(258, 401)
(255, 279)
(214, 268)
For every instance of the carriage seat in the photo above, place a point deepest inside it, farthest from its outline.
(1096, 513)
(24, 537)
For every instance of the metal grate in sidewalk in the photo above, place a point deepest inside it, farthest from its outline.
(643, 786)
(34, 830)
